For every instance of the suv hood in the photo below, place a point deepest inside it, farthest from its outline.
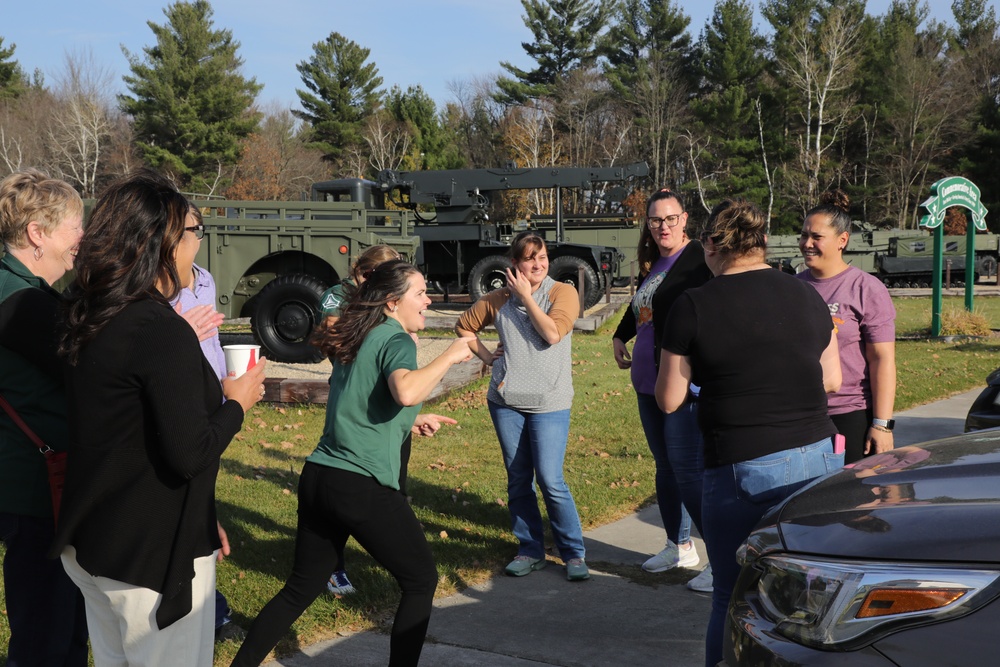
(937, 501)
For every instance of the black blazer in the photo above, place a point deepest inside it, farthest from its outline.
(687, 272)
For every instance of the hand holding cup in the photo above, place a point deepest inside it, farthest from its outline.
(247, 389)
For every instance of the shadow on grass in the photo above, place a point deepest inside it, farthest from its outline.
(470, 542)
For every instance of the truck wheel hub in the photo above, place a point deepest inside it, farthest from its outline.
(294, 321)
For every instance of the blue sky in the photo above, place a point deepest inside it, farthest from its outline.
(428, 42)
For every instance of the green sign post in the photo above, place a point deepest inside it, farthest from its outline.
(948, 192)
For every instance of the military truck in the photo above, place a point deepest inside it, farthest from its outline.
(272, 261)
(899, 258)
(461, 249)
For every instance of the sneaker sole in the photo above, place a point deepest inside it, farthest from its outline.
(700, 589)
(535, 567)
(657, 570)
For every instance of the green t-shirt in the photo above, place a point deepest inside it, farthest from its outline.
(365, 427)
(332, 299)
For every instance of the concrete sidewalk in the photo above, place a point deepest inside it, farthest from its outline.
(544, 620)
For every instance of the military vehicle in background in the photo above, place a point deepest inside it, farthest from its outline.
(899, 258)
(463, 250)
(272, 261)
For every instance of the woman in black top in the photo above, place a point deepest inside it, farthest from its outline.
(148, 425)
(761, 347)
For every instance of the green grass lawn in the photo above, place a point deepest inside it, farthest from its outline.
(913, 314)
(458, 483)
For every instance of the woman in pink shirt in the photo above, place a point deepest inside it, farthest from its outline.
(864, 319)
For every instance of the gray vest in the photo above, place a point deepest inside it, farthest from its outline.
(532, 376)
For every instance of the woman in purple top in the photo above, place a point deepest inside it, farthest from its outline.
(864, 319)
(669, 264)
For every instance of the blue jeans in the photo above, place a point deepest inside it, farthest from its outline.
(675, 442)
(45, 609)
(534, 446)
(735, 499)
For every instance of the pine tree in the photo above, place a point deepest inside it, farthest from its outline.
(566, 38)
(190, 105)
(342, 91)
(647, 30)
(13, 82)
(649, 68)
(432, 147)
(979, 45)
(731, 65)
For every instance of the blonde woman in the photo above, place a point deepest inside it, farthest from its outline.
(41, 221)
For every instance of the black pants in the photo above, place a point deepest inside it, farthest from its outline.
(335, 504)
(48, 622)
(854, 427)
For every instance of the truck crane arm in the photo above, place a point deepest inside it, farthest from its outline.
(460, 195)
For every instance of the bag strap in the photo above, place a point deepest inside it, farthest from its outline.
(9, 409)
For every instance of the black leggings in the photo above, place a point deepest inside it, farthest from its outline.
(854, 427)
(335, 504)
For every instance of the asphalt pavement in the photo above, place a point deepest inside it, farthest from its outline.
(612, 619)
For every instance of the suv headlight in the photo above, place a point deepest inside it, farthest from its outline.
(841, 605)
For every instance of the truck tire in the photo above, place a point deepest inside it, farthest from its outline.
(988, 267)
(566, 269)
(488, 274)
(287, 312)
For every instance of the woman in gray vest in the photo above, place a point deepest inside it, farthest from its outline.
(529, 398)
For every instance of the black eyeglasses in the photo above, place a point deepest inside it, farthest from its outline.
(199, 231)
(669, 221)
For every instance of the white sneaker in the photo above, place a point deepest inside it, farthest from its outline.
(703, 582)
(672, 556)
(688, 556)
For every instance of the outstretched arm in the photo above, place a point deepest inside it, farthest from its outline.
(413, 387)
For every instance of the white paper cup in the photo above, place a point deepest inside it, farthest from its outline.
(240, 358)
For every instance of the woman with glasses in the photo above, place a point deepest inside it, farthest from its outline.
(761, 346)
(530, 395)
(41, 221)
(865, 321)
(149, 421)
(669, 264)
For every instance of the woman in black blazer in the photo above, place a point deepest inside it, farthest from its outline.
(148, 425)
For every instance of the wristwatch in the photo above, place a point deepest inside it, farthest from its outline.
(884, 423)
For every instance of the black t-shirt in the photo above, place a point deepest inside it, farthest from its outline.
(754, 341)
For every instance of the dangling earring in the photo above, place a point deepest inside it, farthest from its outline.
(38, 253)
(395, 308)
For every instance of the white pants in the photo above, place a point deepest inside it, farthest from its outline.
(122, 620)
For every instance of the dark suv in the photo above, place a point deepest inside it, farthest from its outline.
(892, 561)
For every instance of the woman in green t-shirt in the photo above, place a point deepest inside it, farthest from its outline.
(330, 304)
(350, 484)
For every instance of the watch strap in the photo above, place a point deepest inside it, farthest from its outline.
(884, 423)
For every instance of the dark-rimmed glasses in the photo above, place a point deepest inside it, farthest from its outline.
(669, 221)
(199, 231)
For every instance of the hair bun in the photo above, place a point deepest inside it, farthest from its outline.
(836, 198)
